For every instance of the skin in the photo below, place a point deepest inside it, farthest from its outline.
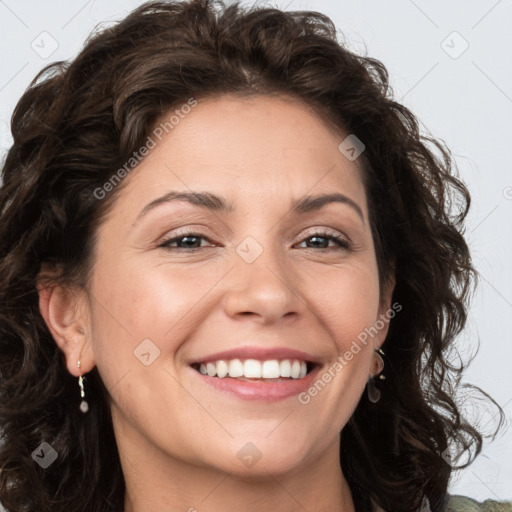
(178, 439)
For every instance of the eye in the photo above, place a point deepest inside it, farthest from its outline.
(192, 241)
(322, 238)
(185, 241)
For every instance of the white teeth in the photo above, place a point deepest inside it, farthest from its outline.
(295, 370)
(254, 369)
(211, 368)
(222, 369)
(236, 368)
(270, 369)
(285, 368)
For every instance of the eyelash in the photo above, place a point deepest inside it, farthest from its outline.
(343, 244)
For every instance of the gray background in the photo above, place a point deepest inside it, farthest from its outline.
(462, 96)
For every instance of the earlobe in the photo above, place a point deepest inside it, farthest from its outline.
(65, 314)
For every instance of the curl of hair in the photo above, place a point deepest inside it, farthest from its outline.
(79, 121)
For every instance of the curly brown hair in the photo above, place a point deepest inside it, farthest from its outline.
(80, 120)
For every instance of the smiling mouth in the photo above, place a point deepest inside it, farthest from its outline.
(253, 370)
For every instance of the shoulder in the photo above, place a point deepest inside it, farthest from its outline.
(457, 503)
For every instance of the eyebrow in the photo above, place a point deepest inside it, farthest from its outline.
(216, 203)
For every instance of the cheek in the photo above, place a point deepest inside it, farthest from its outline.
(134, 303)
(347, 299)
(347, 308)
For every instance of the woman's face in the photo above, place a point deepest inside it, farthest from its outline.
(175, 282)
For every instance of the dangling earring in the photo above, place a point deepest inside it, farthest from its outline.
(373, 392)
(84, 406)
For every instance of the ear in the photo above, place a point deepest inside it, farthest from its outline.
(66, 314)
(386, 311)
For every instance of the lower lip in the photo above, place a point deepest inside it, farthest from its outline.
(260, 390)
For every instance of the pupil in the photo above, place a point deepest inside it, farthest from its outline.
(318, 238)
(189, 238)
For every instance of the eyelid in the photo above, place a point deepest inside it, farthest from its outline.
(197, 230)
(189, 230)
(316, 229)
(326, 231)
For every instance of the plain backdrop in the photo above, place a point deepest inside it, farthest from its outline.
(451, 64)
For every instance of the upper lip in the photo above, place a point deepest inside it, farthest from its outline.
(259, 353)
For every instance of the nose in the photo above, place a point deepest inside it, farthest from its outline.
(263, 290)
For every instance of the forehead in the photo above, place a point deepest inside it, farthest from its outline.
(259, 147)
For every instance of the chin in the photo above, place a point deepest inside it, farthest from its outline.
(257, 458)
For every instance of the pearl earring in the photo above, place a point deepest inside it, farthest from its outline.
(84, 406)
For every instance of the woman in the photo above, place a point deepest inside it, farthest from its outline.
(230, 277)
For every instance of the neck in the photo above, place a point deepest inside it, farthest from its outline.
(209, 491)
(158, 482)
